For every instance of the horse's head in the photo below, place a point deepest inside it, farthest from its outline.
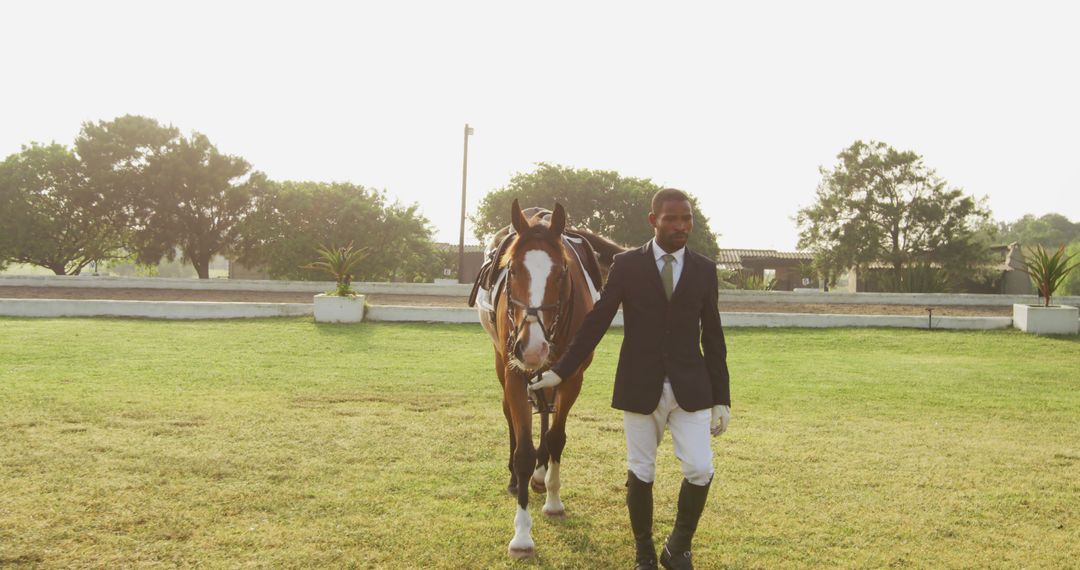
(537, 286)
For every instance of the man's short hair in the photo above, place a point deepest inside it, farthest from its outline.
(667, 195)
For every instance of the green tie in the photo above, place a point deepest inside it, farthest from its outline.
(667, 275)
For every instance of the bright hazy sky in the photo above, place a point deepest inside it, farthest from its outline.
(736, 103)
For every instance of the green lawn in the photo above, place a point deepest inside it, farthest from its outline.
(282, 443)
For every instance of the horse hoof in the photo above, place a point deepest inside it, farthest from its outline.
(537, 487)
(555, 513)
(522, 553)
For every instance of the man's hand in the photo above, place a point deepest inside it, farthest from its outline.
(548, 380)
(721, 415)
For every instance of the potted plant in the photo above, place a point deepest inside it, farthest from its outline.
(1048, 272)
(343, 304)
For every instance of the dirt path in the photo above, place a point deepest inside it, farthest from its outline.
(445, 301)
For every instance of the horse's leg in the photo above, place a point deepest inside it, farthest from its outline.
(512, 487)
(522, 545)
(556, 441)
(500, 369)
(539, 476)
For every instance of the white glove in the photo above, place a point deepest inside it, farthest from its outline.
(548, 379)
(721, 415)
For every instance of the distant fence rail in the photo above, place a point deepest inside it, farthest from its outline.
(92, 282)
(459, 290)
(173, 310)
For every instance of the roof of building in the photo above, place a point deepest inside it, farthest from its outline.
(735, 258)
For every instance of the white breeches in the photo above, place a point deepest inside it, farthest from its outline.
(689, 434)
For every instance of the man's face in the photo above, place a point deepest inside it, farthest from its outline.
(672, 224)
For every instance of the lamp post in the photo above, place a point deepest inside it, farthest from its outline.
(461, 234)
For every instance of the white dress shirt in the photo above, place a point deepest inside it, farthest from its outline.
(676, 266)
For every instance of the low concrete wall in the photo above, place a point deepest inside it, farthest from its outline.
(214, 310)
(149, 309)
(924, 299)
(805, 320)
(91, 282)
(458, 290)
(734, 320)
(395, 313)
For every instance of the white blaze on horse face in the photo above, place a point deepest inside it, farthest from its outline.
(538, 264)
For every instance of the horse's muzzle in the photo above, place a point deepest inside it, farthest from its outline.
(534, 358)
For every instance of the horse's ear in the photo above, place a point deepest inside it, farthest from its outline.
(558, 220)
(521, 225)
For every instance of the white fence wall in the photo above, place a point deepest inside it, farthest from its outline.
(928, 299)
(91, 282)
(149, 309)
(217, 310)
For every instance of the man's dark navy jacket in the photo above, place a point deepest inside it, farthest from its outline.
(680, 339)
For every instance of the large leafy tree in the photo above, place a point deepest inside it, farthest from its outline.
(600, 201)
(1050, 231)
(1071, 286)
(53, 217)
(283, 235)
(880, 204)
(197, 201)
(179, 193)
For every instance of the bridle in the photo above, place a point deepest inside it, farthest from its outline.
(533, 315)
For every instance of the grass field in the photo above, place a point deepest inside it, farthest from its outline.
(282, 443)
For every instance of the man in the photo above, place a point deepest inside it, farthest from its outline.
(672, 370)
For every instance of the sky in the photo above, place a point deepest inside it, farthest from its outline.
(737, 103)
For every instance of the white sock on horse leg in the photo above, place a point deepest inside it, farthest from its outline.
(522, 540)
(554, 504)
(540, 474)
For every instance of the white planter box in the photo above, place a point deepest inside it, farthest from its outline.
(1059, 319)
(334, 309)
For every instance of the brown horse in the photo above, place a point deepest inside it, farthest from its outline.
(543, 302)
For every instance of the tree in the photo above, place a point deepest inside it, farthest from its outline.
(296, 217)
(883, 205)
(600, 201)
(196, 202)
(117, 155)
(179, 193)
(54, 218)
(1071, 286)
(1049, 231)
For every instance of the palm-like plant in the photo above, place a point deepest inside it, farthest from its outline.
(1048, 271)
(339, 262)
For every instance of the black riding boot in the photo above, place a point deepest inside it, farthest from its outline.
(676, 555)
(640, 503)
